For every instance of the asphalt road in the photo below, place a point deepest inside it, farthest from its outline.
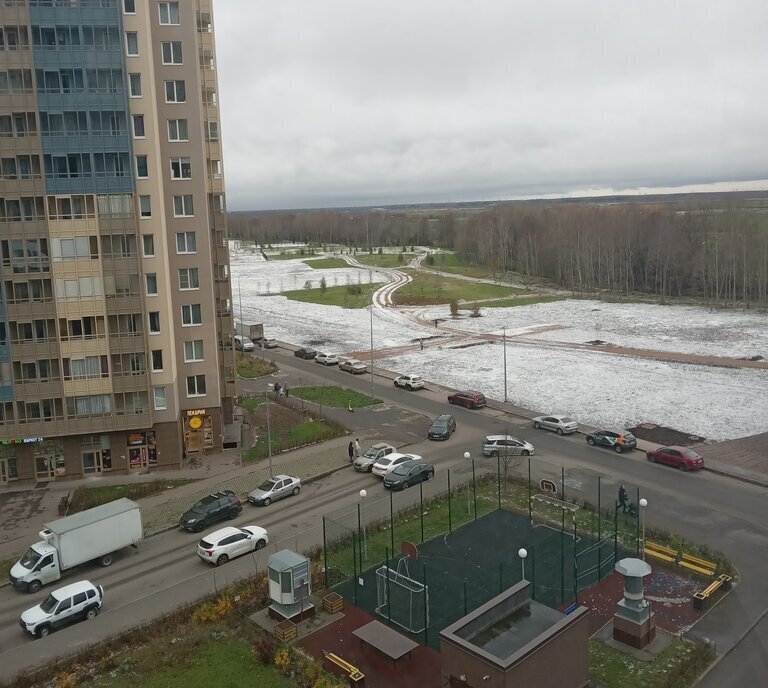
(165, 571)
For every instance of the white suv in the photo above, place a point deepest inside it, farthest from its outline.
(410, 382)
(71, 603)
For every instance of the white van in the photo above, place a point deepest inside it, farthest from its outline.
(242, 343)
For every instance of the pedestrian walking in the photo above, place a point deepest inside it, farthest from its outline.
(276, 388)
(285, 388)
(351, 449)
(358, 448)
(623, 499)
(421, 344)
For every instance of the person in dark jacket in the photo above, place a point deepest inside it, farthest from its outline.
(351, 450)
(623, 499)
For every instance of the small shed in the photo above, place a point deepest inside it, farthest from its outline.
(290, 586)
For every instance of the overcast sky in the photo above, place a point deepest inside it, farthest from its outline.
(373, 102)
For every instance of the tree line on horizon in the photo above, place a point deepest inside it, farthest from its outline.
(715, 254)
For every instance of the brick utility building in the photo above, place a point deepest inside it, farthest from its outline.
(513, 641)
(115, 309)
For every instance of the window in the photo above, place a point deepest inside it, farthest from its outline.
(175, 91)
(178, 130)
(149, 245)
(169, 13)
(138, 126)
(212, 131)
(157, 360)
(129, 6)
(196, 386)
(191, 315)
(131, 43)
(151, 278)
(142, 167)
(193, 351)
(181, 168)
(145, 206)
(186, 242)
(135, 85)
(159, 398)
(188, 278)
(154, 322)
(171, 52)
(183, 206)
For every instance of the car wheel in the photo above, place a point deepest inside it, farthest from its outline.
(92, 613)
(295, 490)
(223, 559)
(430, 475)
(525, 452)
(682, 467)
(537, 425)
(395, 383)
(43, 631)
(651, 458)
(618, 448)
(590, 441)
(199, 526)
(261, 544)
(559, 431)
(494, 454)
(450, 401)
(410, 388)
(34, 586)
(106, 560)
(267, 501)
(233, 514)
(370, 468)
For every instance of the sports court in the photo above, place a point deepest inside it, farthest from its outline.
(456, 572)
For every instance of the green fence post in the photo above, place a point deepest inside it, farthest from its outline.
(474, 487)
(426, 602)
(325, 557)
(392, 523)
(562, 557)
(501, 576)
(360, 537)
(450, 522)
(354, 567)
(498, 477)
(599, 534)
(421, 509)
(576, 567)
(530, 506)
(465, 597)
(637, 519)
(562, 483)
(615, 533)
(389, 597)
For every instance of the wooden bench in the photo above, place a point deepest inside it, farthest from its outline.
(701, 598)
(653, 549)
(356, 677)
(706, 568)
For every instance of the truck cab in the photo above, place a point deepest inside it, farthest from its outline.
(39, 566)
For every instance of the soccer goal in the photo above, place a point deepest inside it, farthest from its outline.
(401, 599)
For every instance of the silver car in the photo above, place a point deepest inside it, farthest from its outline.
(562, 425)
(364, 463)
(506, 445)
(275, 488)
(352, 365)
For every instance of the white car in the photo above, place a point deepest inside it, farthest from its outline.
(410, 382)
(227, 543)
(562, 425)
(243, 343)
(352, 365)
(387, 463)
(327, 359)
(81, 600)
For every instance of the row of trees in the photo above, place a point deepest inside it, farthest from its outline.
(717, 254)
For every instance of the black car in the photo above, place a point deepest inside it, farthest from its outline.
(215, 507)
(305, 353)
(442, 427)
(618, 441)
(409, 473)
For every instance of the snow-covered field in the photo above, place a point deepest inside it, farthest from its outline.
(594, 388)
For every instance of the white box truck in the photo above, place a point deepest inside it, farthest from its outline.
(91, 535)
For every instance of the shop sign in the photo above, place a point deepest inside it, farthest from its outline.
(22, 440)
(196, 412)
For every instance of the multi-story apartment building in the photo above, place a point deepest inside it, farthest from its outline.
(115, 304)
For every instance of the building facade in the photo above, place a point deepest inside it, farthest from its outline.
(115, 308)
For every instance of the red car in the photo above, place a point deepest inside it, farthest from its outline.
(680, 457)
(470, 399)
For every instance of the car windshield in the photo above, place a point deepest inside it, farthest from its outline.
(49, 604)
(566, 420)
(268, 485)
(200, 506)
(31, 558)
(370, 453)
(440, 422)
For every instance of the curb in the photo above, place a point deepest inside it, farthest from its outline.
(737, 476)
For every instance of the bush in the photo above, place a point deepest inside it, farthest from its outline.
(283, 661)
(214, 611)
(264, 650)
(454, 308)
(354, 289)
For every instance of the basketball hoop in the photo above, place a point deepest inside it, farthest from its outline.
(409, 550)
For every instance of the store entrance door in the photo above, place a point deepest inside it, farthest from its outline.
(3, 472)
(45, 467)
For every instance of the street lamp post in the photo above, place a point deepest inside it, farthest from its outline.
(363, 495)
(504, 345)
(643, 504)
(468, 457)
(239, 300)
(522, 553)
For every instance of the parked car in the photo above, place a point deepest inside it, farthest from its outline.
(364, 463)
(267, 343)
(386, 463)
(682, 458)
(562, 425)
(215, 507)
(408, 473)
(227, 543)
(618, 441)
(327, 359)
(506, 445)
(243, 343)
(442, 427)
(306, 353)
(73, 602)
(352, 365)
(275, 488)
(409, 382)
(470, 399)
